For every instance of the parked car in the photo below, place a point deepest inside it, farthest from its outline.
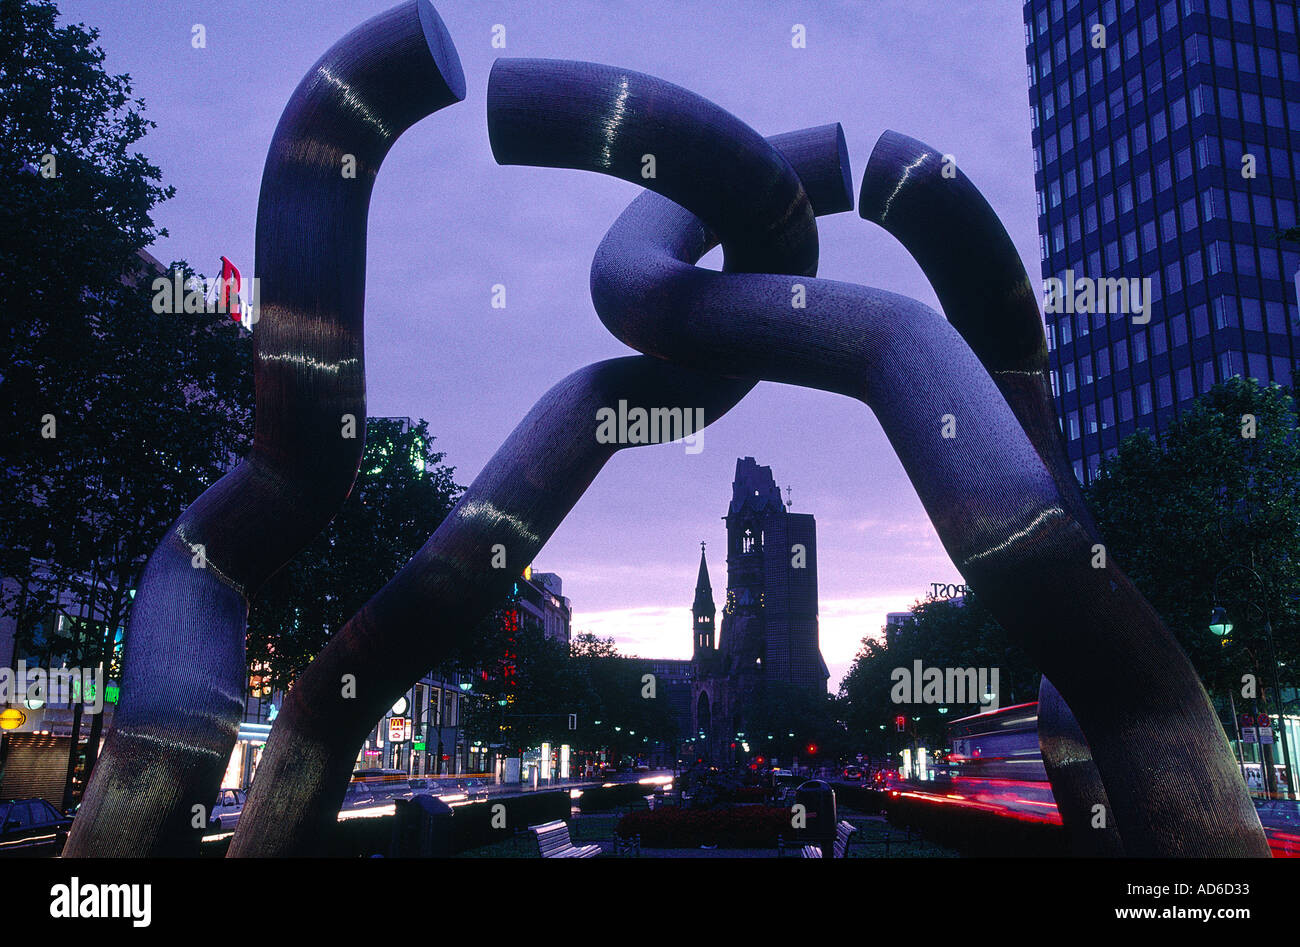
(31, 827)
(225, 813)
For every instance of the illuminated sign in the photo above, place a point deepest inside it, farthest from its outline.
(12, 719)
(399, 729)
(947, 590)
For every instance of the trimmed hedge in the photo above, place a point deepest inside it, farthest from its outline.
(860, 797)
(599, 798)
(741, 827)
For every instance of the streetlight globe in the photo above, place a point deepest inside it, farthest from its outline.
(1219, 623)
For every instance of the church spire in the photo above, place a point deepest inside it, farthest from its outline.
(702, 582)
(703, 610)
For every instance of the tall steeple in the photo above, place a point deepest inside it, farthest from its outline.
(703, 610)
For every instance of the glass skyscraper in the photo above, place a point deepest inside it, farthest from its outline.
(1166, 140)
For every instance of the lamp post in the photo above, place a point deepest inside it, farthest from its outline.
(501, 735)
(465, 688)
(1222, 626)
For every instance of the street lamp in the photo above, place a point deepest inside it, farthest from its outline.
(501, 759)
(465, 688)
(1221, 626)
(1219, 623)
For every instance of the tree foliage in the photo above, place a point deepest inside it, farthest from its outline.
(1188, 515)
(621, 699)
(401, 495)
(942, 634)
(513, 660)
(545, 682)
(114, 416)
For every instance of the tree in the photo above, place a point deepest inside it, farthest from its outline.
(622, 701)
(813, 718)
(114, 416)
(1220, 488)
(942, 634)
(401, 495)
(514, 661)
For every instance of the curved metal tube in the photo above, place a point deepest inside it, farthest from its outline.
(997, 505)
(963, 249)
(183, 694)
(968, 257)
(1076, 784)
(985, 292)
(518, 501)
(561, 114)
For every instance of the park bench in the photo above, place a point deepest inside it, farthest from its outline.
(553, 842)
(843, 832)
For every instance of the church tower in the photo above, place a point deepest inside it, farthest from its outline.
(767, 641)
(704, 612)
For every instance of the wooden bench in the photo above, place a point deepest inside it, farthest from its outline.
(553, 842)
(843, 832)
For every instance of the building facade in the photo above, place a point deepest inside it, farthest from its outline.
(767, 636)
(1166, 137)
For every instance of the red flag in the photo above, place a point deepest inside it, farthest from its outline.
(230, 278)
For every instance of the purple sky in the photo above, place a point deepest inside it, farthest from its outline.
(446, 223)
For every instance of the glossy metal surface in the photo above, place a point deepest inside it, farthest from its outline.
(997, 489)
(524, 492)
(1159, 761)
(186, 677)
(1004, 506)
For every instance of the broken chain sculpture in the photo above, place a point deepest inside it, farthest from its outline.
(1000, 494)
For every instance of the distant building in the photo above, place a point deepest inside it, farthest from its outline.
(768, 635)
(541, 601)
(896, 622)
(35, 742)
(673, 679)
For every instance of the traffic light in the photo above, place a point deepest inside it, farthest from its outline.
(901, 723)
(812, 749)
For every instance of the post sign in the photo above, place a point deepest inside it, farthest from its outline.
(946, 590)
(399, 729)
(1248, 735)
